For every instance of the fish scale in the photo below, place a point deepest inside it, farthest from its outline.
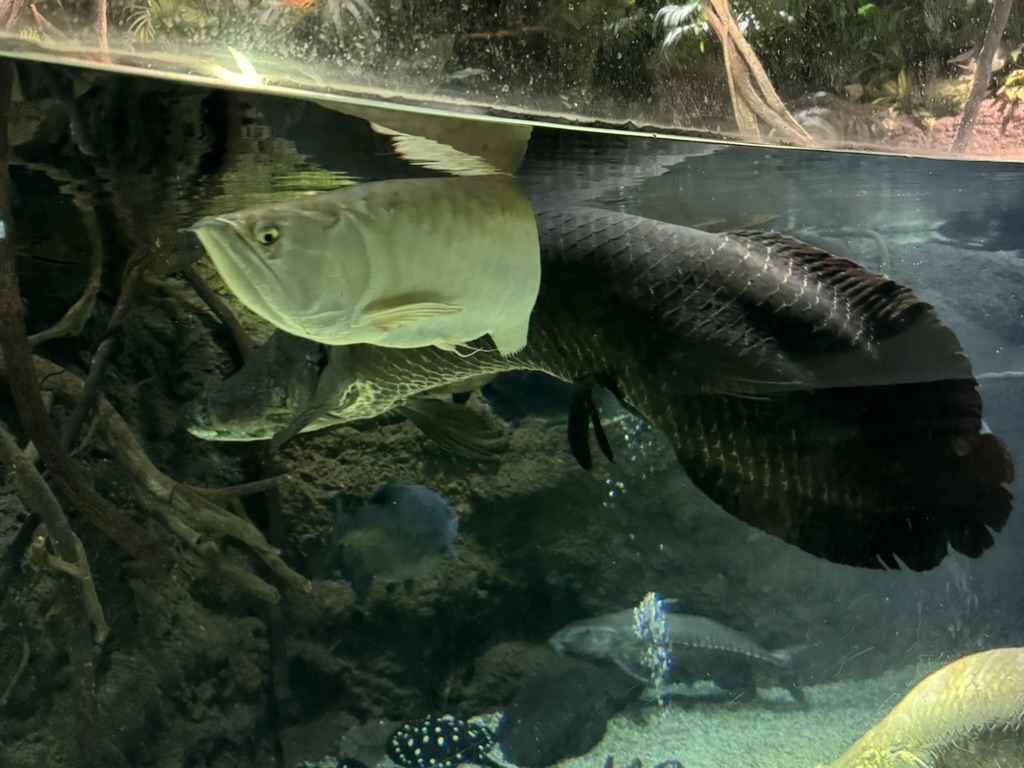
(396, 263)
(807, 396)
(969, 714)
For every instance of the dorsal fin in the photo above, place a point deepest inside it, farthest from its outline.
(832, 314)
(870, 305)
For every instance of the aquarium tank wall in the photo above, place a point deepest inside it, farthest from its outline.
(593, 384)
(937, 77)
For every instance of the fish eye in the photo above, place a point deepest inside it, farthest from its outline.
(266, 234)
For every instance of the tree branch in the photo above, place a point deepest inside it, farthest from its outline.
(982, 73)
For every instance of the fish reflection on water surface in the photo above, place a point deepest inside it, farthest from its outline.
(822, 403)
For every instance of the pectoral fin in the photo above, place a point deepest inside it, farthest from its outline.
(333, 390)
(511, 340)
(296, 426)
(388, 314)
(456, 428)
(632, 666)
(582, 414)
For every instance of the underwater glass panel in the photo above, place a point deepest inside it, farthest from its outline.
(749, 483)
(934, 77)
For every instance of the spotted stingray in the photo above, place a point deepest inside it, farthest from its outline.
(440, 742)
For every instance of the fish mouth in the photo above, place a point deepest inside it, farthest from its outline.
(204, 422)
(212, 435)
(230, 434)
(234, 434)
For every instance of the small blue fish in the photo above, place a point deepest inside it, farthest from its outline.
(440, 742)
(401, 534)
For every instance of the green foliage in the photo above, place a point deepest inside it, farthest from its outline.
(809, 44)
(1014, 87)
(835, 43)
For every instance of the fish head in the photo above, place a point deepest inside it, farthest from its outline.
(587, 640)
(287, 386)
(294, 264)
(277, 383)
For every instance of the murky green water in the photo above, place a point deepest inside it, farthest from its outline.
(230, 657)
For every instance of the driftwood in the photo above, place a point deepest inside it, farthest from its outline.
(744, 71)
(189, 513)
(183, 499)
(243, 342)
(38, 499)
(982, 73)
(93, 747)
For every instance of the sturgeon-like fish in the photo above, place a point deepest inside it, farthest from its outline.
(698, 648)
(820, 402)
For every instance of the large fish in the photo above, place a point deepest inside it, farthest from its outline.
(401, 263)
(807, 396)
(969, 714)
(301, 374)
(699, 648)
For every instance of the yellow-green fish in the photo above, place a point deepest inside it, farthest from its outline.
(969, 714)
(404, 263)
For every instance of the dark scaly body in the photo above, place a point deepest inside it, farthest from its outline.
(820, 402)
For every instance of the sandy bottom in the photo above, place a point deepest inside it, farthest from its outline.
(767, 733)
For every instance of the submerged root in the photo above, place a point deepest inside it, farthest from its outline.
(26, 653)
(243, 341)
(78, 313)
(38, 499)
(207, 551)
(133, 272)
(182, 498)
(79, 569)
(23, 380)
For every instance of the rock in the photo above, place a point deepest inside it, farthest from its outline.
(562, 712)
